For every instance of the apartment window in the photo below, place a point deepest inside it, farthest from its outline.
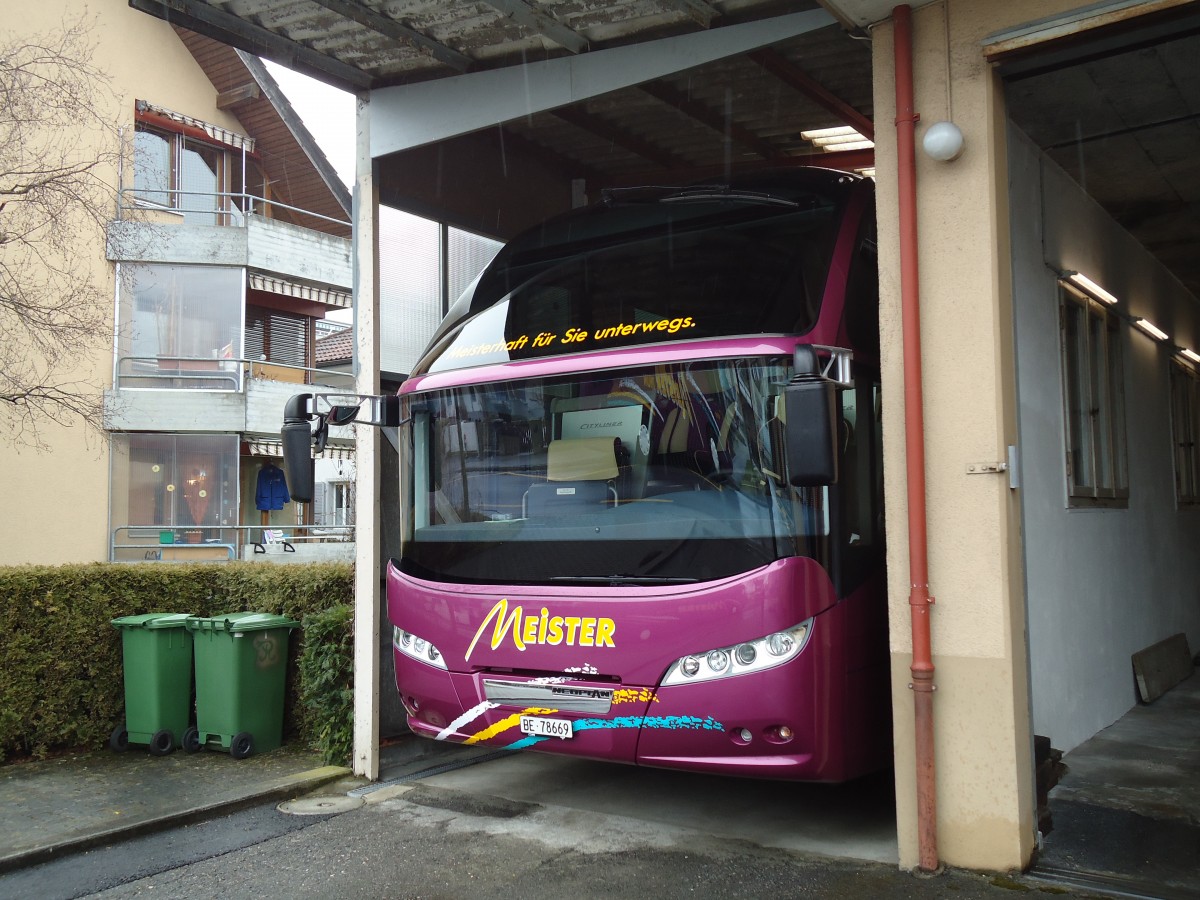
(1093, 382)
(1185, 422)
(180, 326)
(171, 489)
(278, 337)
(204, 181)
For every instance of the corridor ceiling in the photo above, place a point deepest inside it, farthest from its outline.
(1117, 107)
(1120, 112)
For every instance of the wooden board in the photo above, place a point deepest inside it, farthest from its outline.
(1161, 666)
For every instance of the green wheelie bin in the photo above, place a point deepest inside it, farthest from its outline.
(157, 653)
(241, 669)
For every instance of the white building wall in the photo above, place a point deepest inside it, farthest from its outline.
(1101, 583)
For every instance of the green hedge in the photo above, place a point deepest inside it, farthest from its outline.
(61, 679)
(327, 682)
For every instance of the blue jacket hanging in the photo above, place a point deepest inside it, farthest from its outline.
(272, 491)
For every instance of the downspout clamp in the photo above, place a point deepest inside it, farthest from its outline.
(919, 598)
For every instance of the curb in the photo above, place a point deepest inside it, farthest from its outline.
(281, 789)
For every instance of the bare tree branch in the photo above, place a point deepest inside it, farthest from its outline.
(58, 152)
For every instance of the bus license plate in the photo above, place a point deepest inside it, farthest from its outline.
(555, 728)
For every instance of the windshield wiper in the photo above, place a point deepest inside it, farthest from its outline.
(622, 579)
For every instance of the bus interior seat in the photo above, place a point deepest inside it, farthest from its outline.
(686, 447)
(580, 476)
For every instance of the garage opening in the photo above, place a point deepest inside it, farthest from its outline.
(1104, 184)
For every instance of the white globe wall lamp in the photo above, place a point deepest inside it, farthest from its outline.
(943, 141)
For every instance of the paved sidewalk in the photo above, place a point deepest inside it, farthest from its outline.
(85, 800)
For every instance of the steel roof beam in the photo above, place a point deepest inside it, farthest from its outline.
(228, 29)
(406, 116)
(703, 13)
(391, 28)
(606, 130)
(792, 75)
(541, 23)
(707, 116)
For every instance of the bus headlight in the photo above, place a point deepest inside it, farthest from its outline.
(780, 643)
(417, 648)
(740, 659)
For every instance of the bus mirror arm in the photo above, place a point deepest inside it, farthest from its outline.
(810, 409)
(301, 440)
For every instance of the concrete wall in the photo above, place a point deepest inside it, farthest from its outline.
(57, 495)
(1116, 564)
(1102, 583)
(983, 742)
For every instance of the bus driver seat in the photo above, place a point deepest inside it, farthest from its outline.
(579, 478)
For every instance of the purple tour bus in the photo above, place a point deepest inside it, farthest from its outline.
(641, 480)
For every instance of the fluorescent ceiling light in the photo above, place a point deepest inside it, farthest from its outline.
(852, 138)
(822, 133)
(864, 144)
(1151, 329)
(1190, 354)
(832, 140)
(1090, 287)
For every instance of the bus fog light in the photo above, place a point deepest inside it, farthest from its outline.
(718, 660)
(745, 735)
(745, 654)
(785, 733)
(689, 666)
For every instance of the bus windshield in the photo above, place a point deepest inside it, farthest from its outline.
(668, 474)
(657, 271)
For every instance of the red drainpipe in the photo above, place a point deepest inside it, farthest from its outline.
(919, 599)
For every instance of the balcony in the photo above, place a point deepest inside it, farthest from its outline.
(212, 395)
(321, 262)
(296, 544)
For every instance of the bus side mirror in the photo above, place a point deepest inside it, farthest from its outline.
(811, 415)
(297, 438)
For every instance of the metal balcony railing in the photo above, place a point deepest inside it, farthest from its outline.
(217, 543)
(211, 374)
(227, 208)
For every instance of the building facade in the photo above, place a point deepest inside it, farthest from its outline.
(229, 240)
(1040, 460)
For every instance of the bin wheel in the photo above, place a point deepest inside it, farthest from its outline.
(191, 740)
(162, 743)
(118, 741)
(242, 745)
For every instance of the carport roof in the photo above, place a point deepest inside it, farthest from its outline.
(368, 44)
(744, 110)
(747, 110)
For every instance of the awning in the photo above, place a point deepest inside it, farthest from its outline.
(275, 448)
(327, 296)
(215, 132)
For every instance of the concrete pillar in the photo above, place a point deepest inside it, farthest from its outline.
(367, 443)
(983, 744)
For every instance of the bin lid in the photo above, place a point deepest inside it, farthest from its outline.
(239, 622)
(152, 620)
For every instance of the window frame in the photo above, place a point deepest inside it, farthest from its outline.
(1093, 384)
(1185, 423)
(229, 198)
